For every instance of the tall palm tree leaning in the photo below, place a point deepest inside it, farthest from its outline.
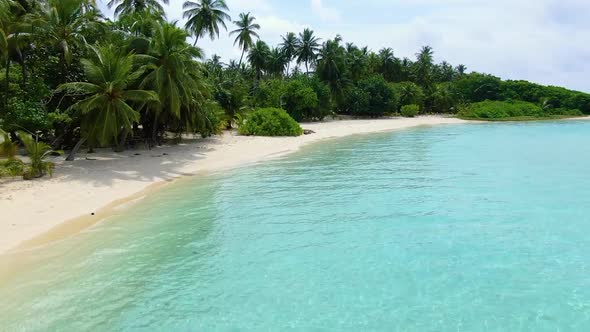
(105, 111)
(205, 17)
(308, 48)
(245, 31)
(289, 47)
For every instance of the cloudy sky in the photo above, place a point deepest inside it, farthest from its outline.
(545, 41)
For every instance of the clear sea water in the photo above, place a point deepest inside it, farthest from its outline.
(479, 227)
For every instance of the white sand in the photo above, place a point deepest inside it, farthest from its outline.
(31, 209)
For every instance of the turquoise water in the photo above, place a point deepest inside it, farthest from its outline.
(451, 228)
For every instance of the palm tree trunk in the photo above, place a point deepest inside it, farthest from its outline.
(241, 58)
(155, 130)
(306, 68)
(121, 144)
(6, 93)
(72, 155)
(288, 65)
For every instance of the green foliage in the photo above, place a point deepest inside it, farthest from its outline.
(26, 114)
(442, 99)
(105, 111)
(476, 87)
(372, 97)
(269, 122)
(409, 93)
(270, 93)
(11, 168)
(551, 96)
(37, 152)
(410, 111)
(232, 93)
(205, 17)
(490, 110)
(7, 147)
(301, 101)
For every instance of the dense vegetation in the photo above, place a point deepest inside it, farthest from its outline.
(269, 122)
(74, 78)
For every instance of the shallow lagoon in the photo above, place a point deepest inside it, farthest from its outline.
(450, 228)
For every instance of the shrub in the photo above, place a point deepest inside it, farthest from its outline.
(269, 122)
(37, 152)
(372, 97)
(410, 111)
(500, 110)
(12, 167)
(408, 93)
(566, 112)
(270, 93)
(301, 101)
(476, 87)
(7, 148)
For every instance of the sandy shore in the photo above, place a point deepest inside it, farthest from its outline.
(80, 188)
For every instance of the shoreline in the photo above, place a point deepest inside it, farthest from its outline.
(84, 192)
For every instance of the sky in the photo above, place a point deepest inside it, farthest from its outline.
(543, 41)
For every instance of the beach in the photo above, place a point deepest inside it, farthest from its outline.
(96, 183)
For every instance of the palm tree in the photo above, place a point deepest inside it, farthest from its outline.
(331, 67)
(175, 76)
(37, 152)
(258, 56)
(277, 62)
(142, 23)
(64, 25)
(245, 31)
(461, 70)
(126, 7)
(423, 67)
(308, 48)
(205, 17)
(357, 61)
(289, 47)
(105, 110)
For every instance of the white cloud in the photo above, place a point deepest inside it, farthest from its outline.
(323, 12)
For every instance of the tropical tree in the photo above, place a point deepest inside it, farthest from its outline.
(142, 23)
(289, 48)
(126, 7)
(331, 67)
(204, 17)
(277, 62)
(357, 62)
(258, 57)
(423, 67)
(64, 25)
(173, 73)
(37, 152)
(461, 70)
(107, 109)
(245, 32)
(12, 33)
(309, 46)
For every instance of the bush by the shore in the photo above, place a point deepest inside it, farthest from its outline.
(508, 110)
(410, 111)
(269, 122)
